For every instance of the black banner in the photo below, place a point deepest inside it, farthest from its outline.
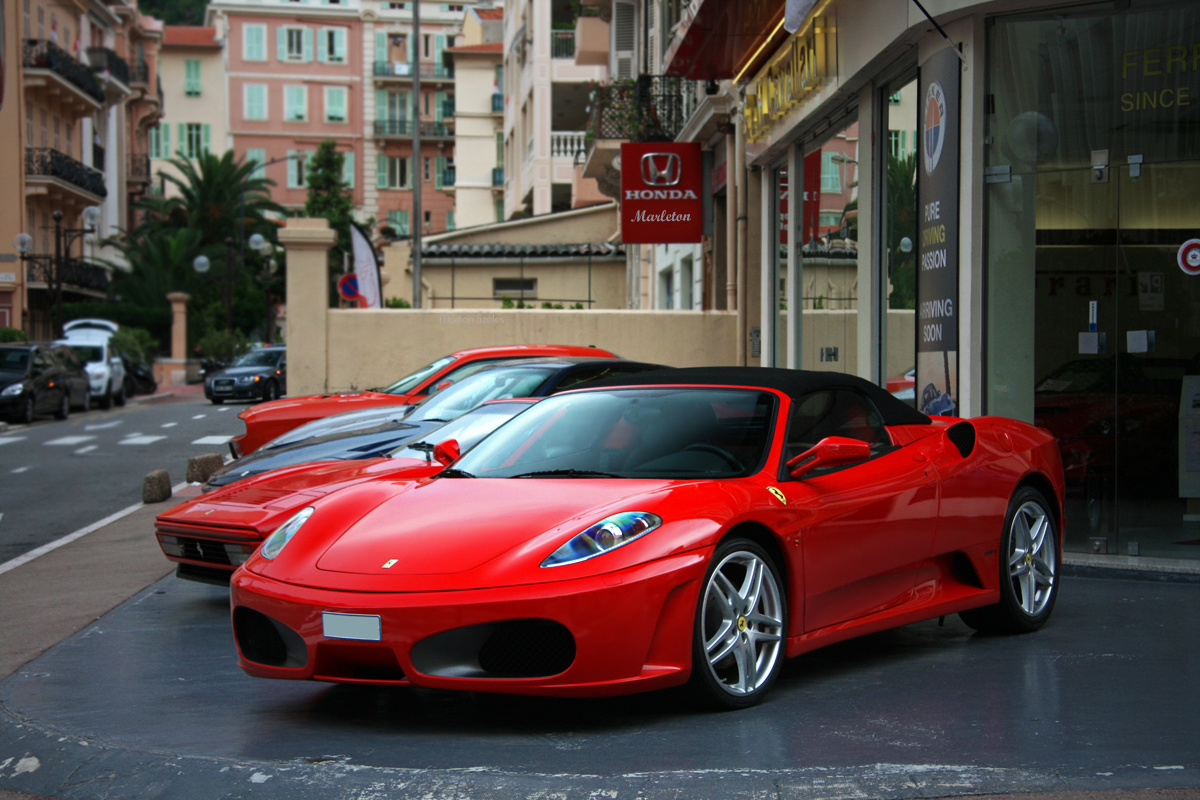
(937, 245)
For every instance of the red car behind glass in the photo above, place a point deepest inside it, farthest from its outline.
(266, 421)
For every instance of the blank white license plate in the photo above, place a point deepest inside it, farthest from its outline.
(361, 627)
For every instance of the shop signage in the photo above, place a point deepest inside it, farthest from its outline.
(788, 79)
(661, 187)
(937, 251)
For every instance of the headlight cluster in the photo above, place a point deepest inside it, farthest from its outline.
(249, 379)
(607, 534)
(274, 543)
(13, 390)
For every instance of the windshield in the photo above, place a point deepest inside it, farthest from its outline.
(675, 432)
(13, 359)
(258, 358)
(467, 430)
(411, 381)
(91, 353)
(498, 383)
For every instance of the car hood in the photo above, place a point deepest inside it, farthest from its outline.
(320, 405)
(345, 422)
(444, 534)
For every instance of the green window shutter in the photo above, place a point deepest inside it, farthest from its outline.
(381, 109)
(322, 46)
(206, 137)
(281, 43)
(402, 222)
(339, 44)
(308, 45)
(293, 179)
(380, 47)
(439, 101)
(181, 130)
(258, 156)
(165, 130)
(439, 44)
(413, 164)
(191, 79)
(439, 170)
(403, 106)
(335, 104)
(155, 142)
(450, 221)
(348, 169)
(255, 101)
(500, 149)
(381, 172)
(254, 43)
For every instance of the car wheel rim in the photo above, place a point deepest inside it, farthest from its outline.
(742, 623)
(1032, 558)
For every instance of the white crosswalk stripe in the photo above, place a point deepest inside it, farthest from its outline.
(11, 439)
(69, 441)
(137, 439)
(213, 440)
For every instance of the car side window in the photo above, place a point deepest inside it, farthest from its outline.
(835, 412)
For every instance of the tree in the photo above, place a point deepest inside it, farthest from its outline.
(174, 12)
(329, 197)
(902, 212)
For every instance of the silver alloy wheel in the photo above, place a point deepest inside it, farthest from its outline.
(742, 623)
(1032, 558)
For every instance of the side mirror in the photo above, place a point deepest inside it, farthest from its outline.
(832, 451)
(447, 452)
(441, 386)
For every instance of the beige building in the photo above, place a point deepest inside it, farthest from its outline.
(192, 74)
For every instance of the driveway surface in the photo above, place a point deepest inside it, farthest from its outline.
(147, 702)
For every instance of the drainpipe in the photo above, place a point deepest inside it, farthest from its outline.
(739, 173)
(731, 182)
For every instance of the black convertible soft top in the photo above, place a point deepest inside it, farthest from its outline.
(792, 382)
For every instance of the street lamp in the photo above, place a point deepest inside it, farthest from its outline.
(202, 265)
(53, 266)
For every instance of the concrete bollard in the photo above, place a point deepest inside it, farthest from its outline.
(199, 468)
(156, 487)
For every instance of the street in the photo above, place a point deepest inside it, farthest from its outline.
(60, 476)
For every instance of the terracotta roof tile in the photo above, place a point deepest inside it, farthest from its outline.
(490, 13)
(191, 36)
(494, 47)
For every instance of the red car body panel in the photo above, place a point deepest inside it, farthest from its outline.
(266, 421)
(908, 535)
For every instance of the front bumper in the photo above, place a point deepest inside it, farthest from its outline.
(618, 633)
(229, 389)
(209, 556)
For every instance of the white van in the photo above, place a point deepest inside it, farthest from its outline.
(89, 338)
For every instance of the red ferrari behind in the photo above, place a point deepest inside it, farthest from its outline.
(266, 421)
(695, 525)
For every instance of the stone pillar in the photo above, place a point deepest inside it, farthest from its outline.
(307, 242)
(173, 371)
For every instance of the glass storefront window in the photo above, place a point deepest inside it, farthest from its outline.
(1093, 314)
(900, 243)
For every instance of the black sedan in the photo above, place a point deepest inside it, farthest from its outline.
(32, 382)
(530, 377)
(260, 374)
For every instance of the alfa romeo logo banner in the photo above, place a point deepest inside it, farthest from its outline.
(661, 192)
(937, 250)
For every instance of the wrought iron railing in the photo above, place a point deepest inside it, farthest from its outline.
(447, 109)
(140, 72)
(562, 44)
(139, 167)
(108, 62)
(497, 176)
(403, 69)
(448, 176)
(50, 163)
(75, 273)
(497, 103)
(405, 128)
(43, 54)
(652, 108)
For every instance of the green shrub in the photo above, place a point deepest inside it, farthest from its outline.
(12, 335)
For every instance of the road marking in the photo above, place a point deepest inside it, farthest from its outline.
(99, 426)
(170, 424)
(200, 416)
(87, 449)
(19, 470)
(79, 534)
(138, 439)
(213, 440)
(70, 441)
(11, 439)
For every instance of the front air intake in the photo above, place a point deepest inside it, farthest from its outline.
(266, 641)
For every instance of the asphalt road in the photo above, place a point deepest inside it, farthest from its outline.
(57, 477)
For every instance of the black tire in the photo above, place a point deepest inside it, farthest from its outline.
(216, 401)
(120, 398)
(64, 407)
(270, 392)
(28, 411)
(726, 628)
(1030, 563)
(105, 400)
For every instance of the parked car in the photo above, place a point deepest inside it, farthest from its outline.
(527, 377)
(697, 525)
(32, 382)
(211, 535)
(269, 420)
(258, 374)
(90, 339)
(79, 385)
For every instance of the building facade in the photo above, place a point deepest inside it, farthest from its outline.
(192, 75)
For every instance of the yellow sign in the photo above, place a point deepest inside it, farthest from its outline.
(792, 74)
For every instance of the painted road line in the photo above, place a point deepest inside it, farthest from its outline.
(213, 440)
(69, 441)
(138, 439)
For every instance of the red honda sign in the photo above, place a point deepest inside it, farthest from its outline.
(660, 193)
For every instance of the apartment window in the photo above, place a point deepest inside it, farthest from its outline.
(193, 138)
(294, 44)
(160, 141)
(393, 172)
(298, 168)
(295, 103)
(428, 169)
(514, 288)
(331, 45)
(191, 77)
(254, 101)
(254, 42)
(425, 53)
(450, 221)
(258, 157)
(831, 178)
(348, 169)
(398, 219)
(335, 104)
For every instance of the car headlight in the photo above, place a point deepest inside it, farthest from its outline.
(606, 535)
(274, 544)
(13, 390)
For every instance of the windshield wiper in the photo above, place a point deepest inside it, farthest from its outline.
(453, 473)
(566, 473)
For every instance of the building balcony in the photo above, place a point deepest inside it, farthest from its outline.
(447, 110)
(50, 68)
(591, 42)
(562, 44)
(77, 275)
(497, 103)
(139, 170)
(568, 144)
(404, 129)
(112, 69)
(448, 176)
(386, 71)
(498, 177)
(46, 167)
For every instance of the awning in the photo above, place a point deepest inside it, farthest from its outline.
(725, 39)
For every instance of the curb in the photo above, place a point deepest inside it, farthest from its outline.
(1167, 570)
